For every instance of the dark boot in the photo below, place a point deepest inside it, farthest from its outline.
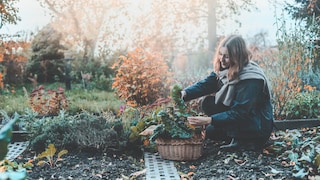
(240, 145)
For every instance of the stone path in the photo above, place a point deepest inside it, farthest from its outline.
(158, 168)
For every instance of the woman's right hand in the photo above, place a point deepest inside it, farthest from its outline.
(199, 120)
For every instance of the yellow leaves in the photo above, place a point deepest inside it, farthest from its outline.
(49, 155)
(146, 142)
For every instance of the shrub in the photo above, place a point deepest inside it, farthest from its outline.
(284, 66)
(304, 105)
(48, 103)
(84, 131)
(141, 77)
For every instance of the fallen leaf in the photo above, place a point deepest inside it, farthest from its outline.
(148, 131)
(192, 167)
(99, 175)
(138, 173)
(274, 171)
(240, 162)
(300, 174)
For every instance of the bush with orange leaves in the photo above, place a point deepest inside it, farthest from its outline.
(1, 81)
(141, 77)
(48, 102)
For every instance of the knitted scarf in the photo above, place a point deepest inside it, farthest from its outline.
(251, 71)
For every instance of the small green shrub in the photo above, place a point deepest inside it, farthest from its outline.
(83, 131)
(304, 105)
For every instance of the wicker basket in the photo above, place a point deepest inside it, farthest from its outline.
(180, 149)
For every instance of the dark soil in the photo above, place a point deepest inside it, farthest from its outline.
(86, 166)
(214, 164)
(234, 165)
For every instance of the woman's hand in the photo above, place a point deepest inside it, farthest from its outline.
(199, 120)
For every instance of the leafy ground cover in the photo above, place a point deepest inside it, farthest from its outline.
(291, 154)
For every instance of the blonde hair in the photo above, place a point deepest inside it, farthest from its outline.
(239, 55)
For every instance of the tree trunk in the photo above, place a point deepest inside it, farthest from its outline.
(212, 26)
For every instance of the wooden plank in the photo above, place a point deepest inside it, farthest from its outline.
(296, 124)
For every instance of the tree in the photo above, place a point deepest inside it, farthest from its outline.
(152, 24)
(13, 59)
(308, 12)
(219, 10)
(47, 53)
(8, 12)
(82, 23)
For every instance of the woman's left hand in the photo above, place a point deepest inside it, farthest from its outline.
(199, 120)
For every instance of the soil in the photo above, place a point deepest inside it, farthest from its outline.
(214, 164)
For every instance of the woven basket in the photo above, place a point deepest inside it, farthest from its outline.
(180, 149)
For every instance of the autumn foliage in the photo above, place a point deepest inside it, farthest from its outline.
(48, 102)
(1, 81)
(141, 77)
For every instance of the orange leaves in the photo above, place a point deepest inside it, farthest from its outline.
(309, 88)
(1, 81)
(142, 77)
(48, 103)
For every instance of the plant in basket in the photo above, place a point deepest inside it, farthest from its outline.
(174, 137)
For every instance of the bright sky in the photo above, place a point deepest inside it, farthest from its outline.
(33, 17)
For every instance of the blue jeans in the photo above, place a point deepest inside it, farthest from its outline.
(208, 106)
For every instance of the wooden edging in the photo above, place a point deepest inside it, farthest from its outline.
(296, 123)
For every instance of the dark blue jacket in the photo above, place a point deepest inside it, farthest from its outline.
(250, 114)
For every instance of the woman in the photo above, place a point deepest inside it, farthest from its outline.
(240, 109)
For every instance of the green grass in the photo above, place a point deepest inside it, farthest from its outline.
(93, 101)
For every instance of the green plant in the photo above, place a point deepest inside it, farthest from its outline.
(298, 150)
(304, 105)
(285, 65)
(9, 170)
(173, 120)
(83, 131)
(49, 154)
(141, 77)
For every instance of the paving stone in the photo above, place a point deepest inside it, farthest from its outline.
(158, 168)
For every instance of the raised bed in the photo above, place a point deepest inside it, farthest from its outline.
(296, 123)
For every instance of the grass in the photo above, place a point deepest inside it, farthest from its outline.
(93, 101)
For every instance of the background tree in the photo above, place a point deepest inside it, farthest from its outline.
(8, 12)
(96, 31)
(219, 10)
(308, 13)
(46, 61)
(13, 61)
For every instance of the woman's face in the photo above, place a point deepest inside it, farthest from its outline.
(224, 58)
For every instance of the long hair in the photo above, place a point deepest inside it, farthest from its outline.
(239, 55)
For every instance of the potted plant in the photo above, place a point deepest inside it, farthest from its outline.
(174, 137)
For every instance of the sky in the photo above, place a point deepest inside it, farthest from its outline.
(34, 17)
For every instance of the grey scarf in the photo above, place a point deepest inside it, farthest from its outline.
(251, 71)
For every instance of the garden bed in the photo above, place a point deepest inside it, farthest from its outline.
(271, 163)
